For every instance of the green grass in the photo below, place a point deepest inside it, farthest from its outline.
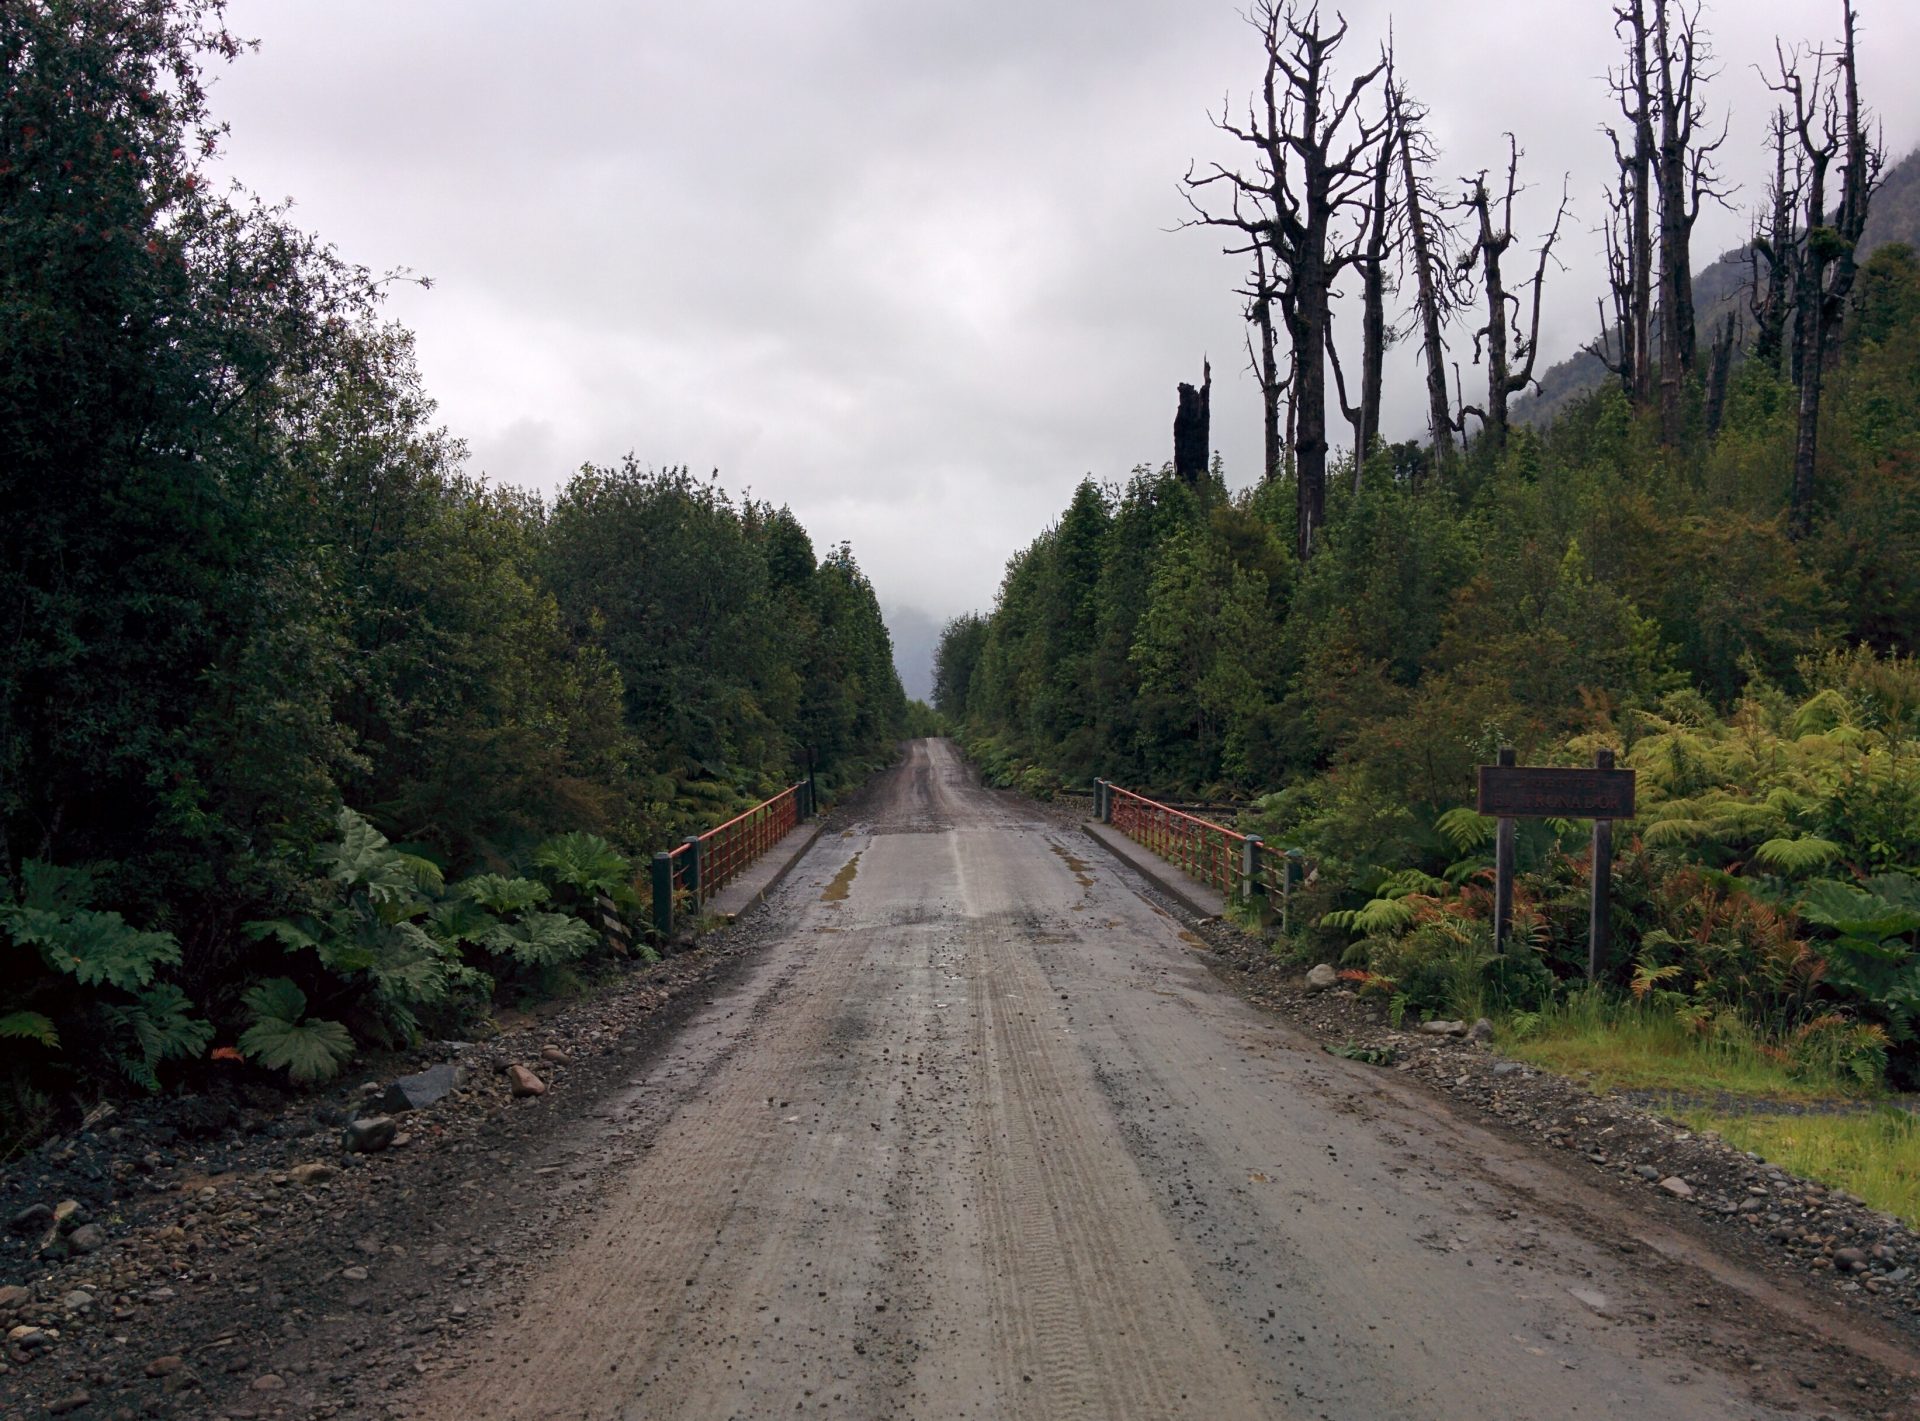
(1874, 1154)
(1613, 1045)
(1609, 1044)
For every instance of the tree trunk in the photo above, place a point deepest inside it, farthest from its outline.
(1270, 391)
(1427, 295)
(1642, 208)
(1192, 432)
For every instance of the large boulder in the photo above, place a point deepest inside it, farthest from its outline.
(423, 1088)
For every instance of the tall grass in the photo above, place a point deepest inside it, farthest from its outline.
(1614, 1044)
(1874, 1154)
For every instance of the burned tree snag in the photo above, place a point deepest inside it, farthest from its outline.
(1770, 293)
(1825, 116)
(1312, 161)
(1629, 232)
(1510, 348)
(1684, 172)
(1191, 429)
(1433, 289)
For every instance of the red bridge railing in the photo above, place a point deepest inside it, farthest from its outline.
(1240, 865)
(1209, 852)
(696, 871)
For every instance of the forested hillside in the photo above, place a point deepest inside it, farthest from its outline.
(1710, 565)
(308, 738)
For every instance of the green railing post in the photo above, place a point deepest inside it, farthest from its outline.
(663, 895)
(1250, 865)
(693, 868)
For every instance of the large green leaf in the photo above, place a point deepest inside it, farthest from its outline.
(94, 948)
(1797, 855)
(307, 1051)
(53, 889)
(459, 920)
(364, 860)
(1858, 912)
(585, 862)
(541, 939)
(499, 894)
(29, 1026)
(276, 999)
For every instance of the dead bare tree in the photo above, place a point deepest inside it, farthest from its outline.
(1312, 162)
(1770, 293)
(1685, 175)
(1629, 228)
(1436, 291)
(1509, 347)
(1827, 122)
(1379, 237)
(1263, 358)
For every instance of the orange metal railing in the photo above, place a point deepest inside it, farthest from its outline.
(723, 852)
(1210, 852)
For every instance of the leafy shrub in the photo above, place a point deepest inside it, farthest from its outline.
(361, 941)
(99, 987)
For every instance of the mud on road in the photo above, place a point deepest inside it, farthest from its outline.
(961, 1124)
(978, 1134)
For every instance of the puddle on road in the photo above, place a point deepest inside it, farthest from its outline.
(836, 891)
(1082, 870)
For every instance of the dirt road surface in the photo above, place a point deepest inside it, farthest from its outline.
(979, 1135)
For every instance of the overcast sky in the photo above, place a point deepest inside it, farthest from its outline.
(903, 265)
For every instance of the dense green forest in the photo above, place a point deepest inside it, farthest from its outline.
(1688, 569)
(307, 737)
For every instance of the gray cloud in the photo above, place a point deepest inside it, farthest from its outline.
(904, 266)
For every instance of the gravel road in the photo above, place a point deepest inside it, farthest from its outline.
(978, 1134)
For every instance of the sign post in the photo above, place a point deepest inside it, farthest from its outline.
(1509, 791)
(1599, 918)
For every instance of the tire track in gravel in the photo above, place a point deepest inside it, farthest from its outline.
(984, 1138)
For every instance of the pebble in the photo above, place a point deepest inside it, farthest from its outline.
(557, 1056)
(313, 1173)
(69, 1403)
(267, 1381)
(164, 1366)
(12, 1295)
(88, 1238)
(524, 1082)
(1677, 1187)
(368, 1135)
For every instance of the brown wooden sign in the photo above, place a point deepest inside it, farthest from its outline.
(1541, 792)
